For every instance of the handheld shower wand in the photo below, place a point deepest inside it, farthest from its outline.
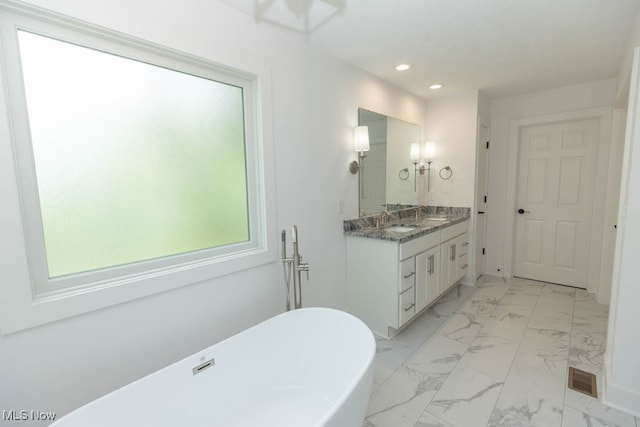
(293, 266)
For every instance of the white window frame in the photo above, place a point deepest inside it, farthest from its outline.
(28, 297)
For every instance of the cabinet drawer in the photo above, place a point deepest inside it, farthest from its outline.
(407, 302)
(407, 274)
(417, 245)
(454, 230)
(463, 267)
(463, 263)
(463, 245)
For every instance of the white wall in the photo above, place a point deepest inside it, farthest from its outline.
(484, 105)
(624, 69)
(451, 124)
(622, 376)
(610, 232)
(62, 365)
(503, 110)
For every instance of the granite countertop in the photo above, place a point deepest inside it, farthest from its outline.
(410, 227)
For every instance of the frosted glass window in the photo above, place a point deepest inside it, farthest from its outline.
(133, 161)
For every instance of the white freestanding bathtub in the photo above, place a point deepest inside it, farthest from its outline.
(303, 368)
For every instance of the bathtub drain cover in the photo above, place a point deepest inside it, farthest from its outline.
(583, 382)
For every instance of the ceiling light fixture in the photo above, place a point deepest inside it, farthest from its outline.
(435, 86)
(403, 67)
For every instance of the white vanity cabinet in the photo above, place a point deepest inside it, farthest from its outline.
(417, 264)
(407, 297)
(453, 255)
(427, 277)
(463, 264)
(390, 283)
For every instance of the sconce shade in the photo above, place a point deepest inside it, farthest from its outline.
(361, 141)
(415, 152)
(429, 150)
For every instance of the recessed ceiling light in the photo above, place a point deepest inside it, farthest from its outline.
(435, 86)
(403, 67)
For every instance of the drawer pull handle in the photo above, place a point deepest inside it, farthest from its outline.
(464, 266)
(406, 276)
(409, 307)
(465, 244)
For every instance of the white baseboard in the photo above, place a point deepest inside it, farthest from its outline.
(617, 397)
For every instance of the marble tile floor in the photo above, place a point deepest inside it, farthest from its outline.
(495, 355)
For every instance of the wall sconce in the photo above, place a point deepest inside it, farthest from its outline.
(414, 155)
(361, 144)
(429, 155)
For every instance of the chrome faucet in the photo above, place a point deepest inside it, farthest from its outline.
(293, 267)
(383, 219)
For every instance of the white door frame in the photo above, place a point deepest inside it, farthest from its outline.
(480, 146)
(603, 114)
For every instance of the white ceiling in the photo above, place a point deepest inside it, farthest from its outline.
(503, 47)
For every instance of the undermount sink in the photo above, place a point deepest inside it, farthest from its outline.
(436, 218)
(400, 228)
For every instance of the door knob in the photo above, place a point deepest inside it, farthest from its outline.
(522, 211)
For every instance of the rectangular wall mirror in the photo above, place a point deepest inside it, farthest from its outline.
(387, 177)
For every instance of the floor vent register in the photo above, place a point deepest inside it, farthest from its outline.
(583, 382)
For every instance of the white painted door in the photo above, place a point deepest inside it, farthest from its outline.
(481, 198)
(556, 175)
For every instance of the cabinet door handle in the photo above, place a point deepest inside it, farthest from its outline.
(409, 307)
(431, 264)
(465, 244)
(406, 276)
(464, 266)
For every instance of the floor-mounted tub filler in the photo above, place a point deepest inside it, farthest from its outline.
(304, 368)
